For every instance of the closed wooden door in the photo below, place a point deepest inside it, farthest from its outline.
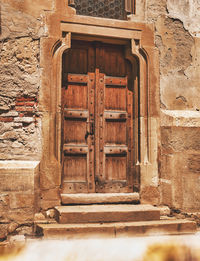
(97, 113)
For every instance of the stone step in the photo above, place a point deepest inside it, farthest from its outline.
(100, 198)
(106, 213)
(119, 229)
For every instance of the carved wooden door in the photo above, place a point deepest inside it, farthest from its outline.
(97, 108)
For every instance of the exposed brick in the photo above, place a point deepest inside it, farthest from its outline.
(20, 104)
(21, 109)
(25, 103)
(30, 103)
(6, 119)
(25, 99)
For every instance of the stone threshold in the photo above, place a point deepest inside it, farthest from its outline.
(100, 198)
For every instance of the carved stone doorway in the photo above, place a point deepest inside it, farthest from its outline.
(98, 127)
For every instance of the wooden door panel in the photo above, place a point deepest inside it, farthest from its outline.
(114, 160)
(75, 130)
(75, 167)
(78, 148)
(115, 167)
(80, 59)
(115, 98)
(97, 108)
(114, 62)
(115, 132)
(76, 96)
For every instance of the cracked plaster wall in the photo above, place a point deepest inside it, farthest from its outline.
(177, 31)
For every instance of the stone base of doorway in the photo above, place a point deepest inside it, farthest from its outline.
(116, 220)
(100, 198)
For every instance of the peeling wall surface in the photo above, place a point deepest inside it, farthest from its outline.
(24, 28)
(20, 125)
(177, 28)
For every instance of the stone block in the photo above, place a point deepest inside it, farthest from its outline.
(21, 200)
(166, 193)
(18, 175)
(191, 192)
(99, 198)
(21, 215)
(50, 194)
(16, 181)
(106, 213)
(46, 204)
(180, 180)
(150, 195)
(179, 139)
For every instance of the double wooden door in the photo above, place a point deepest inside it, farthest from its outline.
(98, 116)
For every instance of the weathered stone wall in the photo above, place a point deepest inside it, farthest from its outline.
(22, 28)
(177, 37)
(19, 196)
(28, 32)
(20, 124)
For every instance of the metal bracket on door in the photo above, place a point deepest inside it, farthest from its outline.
(91, 129)
(97, 181)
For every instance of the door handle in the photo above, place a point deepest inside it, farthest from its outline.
(91, 128)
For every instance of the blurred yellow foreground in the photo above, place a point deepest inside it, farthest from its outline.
(154, 248)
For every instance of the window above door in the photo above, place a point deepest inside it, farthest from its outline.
(114, 9)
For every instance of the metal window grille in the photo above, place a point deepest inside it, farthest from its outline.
(114, 9)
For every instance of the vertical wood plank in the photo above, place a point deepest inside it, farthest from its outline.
(101, 176)
(91, 138)
(97, 124)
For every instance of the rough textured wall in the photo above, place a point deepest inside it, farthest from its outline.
(177, 30)
(22, 28)
(20, 128)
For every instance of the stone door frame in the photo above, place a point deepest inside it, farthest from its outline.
(141, 39)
